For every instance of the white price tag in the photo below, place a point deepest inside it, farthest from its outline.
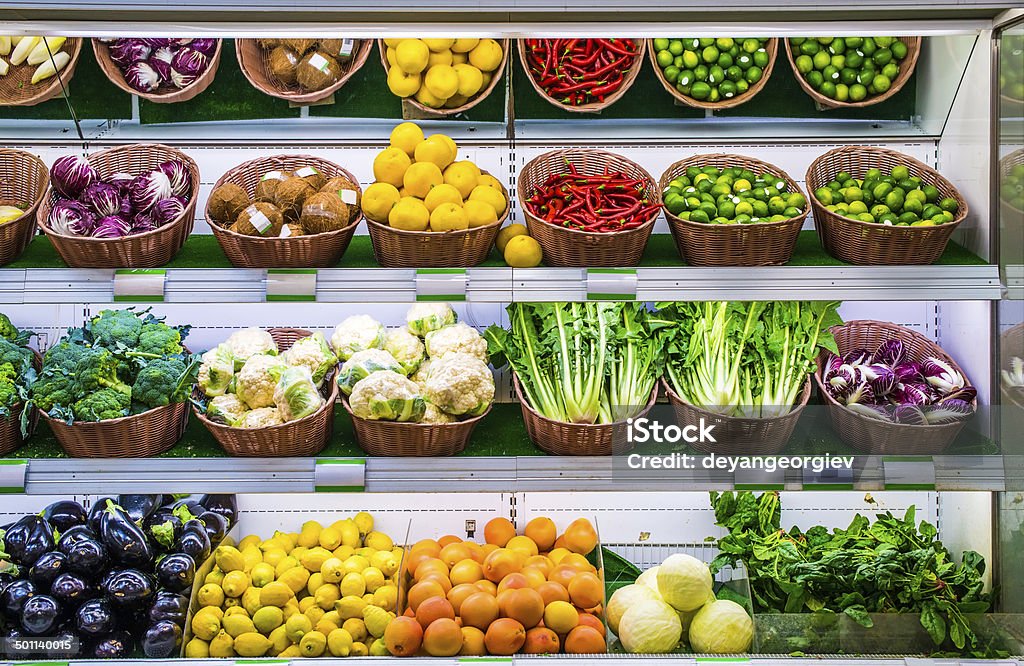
(139, 285)
(339, 475)
(441, 284)
(12, 476)
(909, 472)
(760, 479)
(611, 284)
(348, 197)
(284, 284)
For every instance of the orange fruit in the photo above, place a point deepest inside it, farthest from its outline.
(486, 586)
(513, 581)
(586, 590)
(499, 531)
(534, 576)
(442, 638)
(428, 546)
(448, 540)
(460, 593)
(454, 553)
(523, 545)
(476, 551)
(561, 617)
(540, 562)
(420, 592)
(584, 640)
(430, 566)
(525, 605)
(588, 620)
(563, 575)
(432, 609)
(540, 640)
(580, 537)
(472, 643)
(504, 637)
(403, 636)
(466, 571)
(443, 581)
(542, 531)
(557, 555)
(552, 591)
(578, 562)
(479, 610)
(499, 564)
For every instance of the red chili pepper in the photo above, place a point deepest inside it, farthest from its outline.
(615, 48)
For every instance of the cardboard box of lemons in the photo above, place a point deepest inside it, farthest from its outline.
(490, 196)
(486, 55)
(412, 55)
(449, 217)
(523, 252)
(421, 177)
(389, 166)
(409, 214)
(437, 149)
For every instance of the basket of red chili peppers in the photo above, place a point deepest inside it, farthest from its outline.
(582, 75)
(588, 207)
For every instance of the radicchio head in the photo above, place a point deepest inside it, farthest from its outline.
(204, 45)
(102, 198)
(877, 412)
(142, 77)
(911, 394)
(71, 218)
(861, 393)
(908, 371)
(71, 174)
(889, 352)
(148, 189)
(857, 357)
(128, 51)
(160, 61)
(166, 211)
(882, 378)
(112, 226)
(941, 375)
(948, 411)
(122, 181)
(909, 415)
(142, 223)
(177, 173)
(186, 67)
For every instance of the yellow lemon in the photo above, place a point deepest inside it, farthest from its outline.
(491, 196)
(409, 214)
(315, 558)
(373, 579)
(364, 522)
(295, 578)
(388, 167)
(344, 552)
(523, 252)
(448, 217)
(250, 540)
(262, 574)
(310, 534)
(235, 583)
(313, 644)
(402, 83)
(455, 100)
(339, 643)
(435, 197)
(378, 200)
(267, 619)
(386, 597)
(411, 55)
(275, 594)
(490, 181)
(273, 557)
(357, 563)
(330, 538)
(197, 648)
(356, 627)
(297, 626)
(465, 45)
(327, 594)
(452, 147)
(314, 582)
(331, 571)
(439, 58)
(486, 56)
(392, 42)
(460, 58)
(439, 44)
(210, 595)
(215, 577)
(442, 81)
(434, 150)
(359, 650)
(422, 176)
(406, 136)
(386, 562)
(479, 213)
(379, 540)
(470, 79)
(429, 99)
(507, 234)
(229, 559)
(353, 585)
(463, 175)
(391, 57)
(349, 607)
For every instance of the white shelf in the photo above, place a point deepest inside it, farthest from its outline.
(568, 660)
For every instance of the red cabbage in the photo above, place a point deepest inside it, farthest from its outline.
(127, 51)
(177, 172)
(142, 77)
(112, 226)
(187, 65)
(148, 189)
(71, 218)
(102, 198)
(167, 210)
(71, 174)
(205, 46)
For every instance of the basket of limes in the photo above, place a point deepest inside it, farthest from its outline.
(852, 72)
(874, 206)
(713, 72)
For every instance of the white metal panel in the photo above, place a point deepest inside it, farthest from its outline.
(961, 326)
(937, 82)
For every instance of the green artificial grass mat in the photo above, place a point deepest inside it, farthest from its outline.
(203, 251)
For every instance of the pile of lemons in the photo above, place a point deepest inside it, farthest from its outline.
(441, 73)
(419, 186)
(324, 591)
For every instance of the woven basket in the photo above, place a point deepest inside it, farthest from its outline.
(1011, 343)
(10, 427)
(253, 60)
(397, 248)
(303, 437)
(506, 47)
(313, 251)
(592, 107)
(16, 88)
(771, 48)
(1005, 164)
(165, 95)
(23, 182)
(575, 439)
(871, 435)
(870, 243)
(390, 438)
(148, 250)
(740, 436)
(759, 244)
(571, 248)
(906, 65)
(141, 436)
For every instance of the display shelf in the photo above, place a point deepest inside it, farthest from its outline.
(568, 660)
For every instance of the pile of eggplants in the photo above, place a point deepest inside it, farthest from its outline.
(117, 577)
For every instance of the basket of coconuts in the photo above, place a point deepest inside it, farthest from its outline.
(302, 70)
(285, 211)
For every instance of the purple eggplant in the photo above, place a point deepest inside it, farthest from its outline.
(225, 505)
(124, 539)
(128, 589)
(71, 588)
(194, 508)
(87, 557)
(161, 640)
(168, 606)
(194, 541)
(176, 572)
(96, 512)
(118, 645)
(139, 507)
(14, 597)
(72, 536)
(64, 515)
(28, 539)
(163, 528)
(95, 618)
(46, 568)
(216, 526)
(40, 615)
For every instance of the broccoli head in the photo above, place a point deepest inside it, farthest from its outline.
(162, 382)
(9, 394)
(8, 330)
(102, 405)
(116, 327)
(55, 388)
(159, 339)
(97, 369)
(19, 357)
(64, 355)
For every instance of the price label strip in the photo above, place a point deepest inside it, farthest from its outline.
(286, 285)
(611, 284)
(760, 479)
(139, 285)
(441, 284)
(909, 472)
(339, 475)
(12, 476)
(829, 479)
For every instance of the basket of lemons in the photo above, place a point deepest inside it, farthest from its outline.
(426, 208)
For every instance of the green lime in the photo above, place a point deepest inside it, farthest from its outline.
(821, 60)
(843, 176)
(734, 73)
(931, 193)
(824, 195)
(891, 71)
(858, 207)
(900, 172)
(912, 205)
(727, 209)
(881, 190)
(724, 43)
(815, 79)
(685, 215)
(725, 61)
(745, 60)
(866, 217)
(854, 42)
(751, 45)
(884, 42)
(664, 59)
(948, 204)
(831, 74)
(690, 59)
(686, 78)
(776, 205)
(701, 72)
(837, 46)
(917, 195)
(899, 50)
(887, 218)
(796, 200)
(678, 61)
(868, 48)
(847, 76)
(791, 212)
(828, 89)
(930, 211)
(742, 86)
(908, 218)
(676, 47)
(842, 92)
(699, 216)
(744, 208)
(709, 54)
(700, 90)
(851, 194)
(754, 74)
(706, 41)
(709, 208)
(810, 47)
(882, 57)
(838, 61)
(720, 189)
(660, 44)
(804, 64)
(727, 89)
(683, 89)
(761, 58)
(909, 184)
(675, 204)
(854, 60)
(760, 208)
(716, 75)
(672, 73)
(878, 210)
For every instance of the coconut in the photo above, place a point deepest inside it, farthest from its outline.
(290, 195)
(344, 188)
(269, 42)
(226, 203)
(267, 186)
(318, 70)
(259, 219)
(291, 230)
(324, 212)
(300, 46)
(284, 64)
(343, 50)
(311, 175)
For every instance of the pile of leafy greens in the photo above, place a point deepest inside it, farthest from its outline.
(891, 565)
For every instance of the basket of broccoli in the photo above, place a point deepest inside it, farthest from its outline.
(269, 392)
(117, 387)
(18, 367)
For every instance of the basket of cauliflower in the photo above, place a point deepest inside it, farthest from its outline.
(269, 392)
(415, 390)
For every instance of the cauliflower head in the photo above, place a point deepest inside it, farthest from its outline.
(422, 318)
(226, 410)
(363, 364)
(435, 416)
(387, 396)
(406, 348)
(314, 353)
(264, 417)
(421, 374)
(250, 342)
(296, 395)
(460, 384)
(356, 334)
(217, 370)
(257, 380)
(460, 338)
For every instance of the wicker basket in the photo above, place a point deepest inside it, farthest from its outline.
(1011, 343)
(253, 60)
(759, 244)
(141, 436)
(872, 435)
(10, 427)
(870, 243)
(23, 182)
(591, 107)
(906, 65)
(397, 248)
(506, 47)
(16, 88)
(771, 48)
(575, 439)
(313, 251)
(148, 250)
(167, 95)
(571, 248)
(740, 436)
(303, 437)
(390, 438)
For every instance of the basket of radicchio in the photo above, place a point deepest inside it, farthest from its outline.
(893, 391)
(126, 207)
(161, 69)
